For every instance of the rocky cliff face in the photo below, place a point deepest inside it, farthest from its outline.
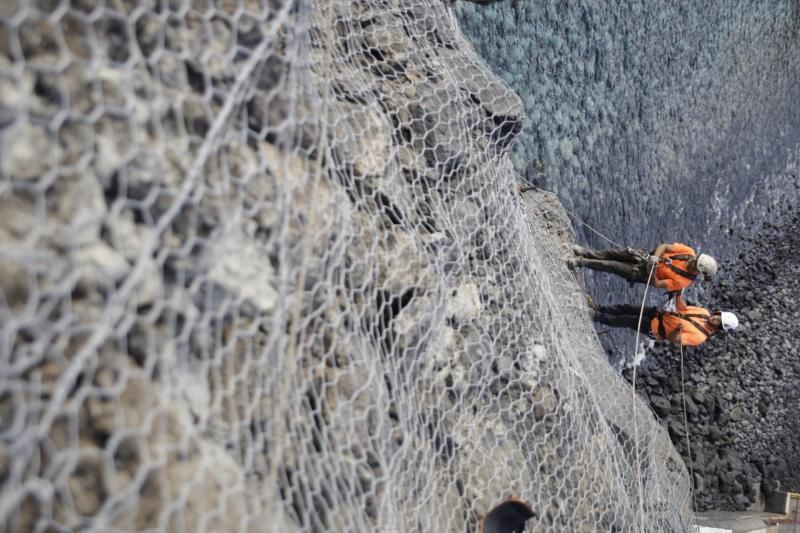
(265, 267)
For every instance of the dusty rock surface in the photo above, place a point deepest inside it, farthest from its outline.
(266, 267)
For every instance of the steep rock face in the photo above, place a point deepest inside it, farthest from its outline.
(265, 267)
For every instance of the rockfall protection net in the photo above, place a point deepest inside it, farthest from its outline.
(263, 267)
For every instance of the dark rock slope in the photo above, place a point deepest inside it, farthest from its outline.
(742, 391)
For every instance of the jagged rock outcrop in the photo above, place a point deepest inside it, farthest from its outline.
(266, 267)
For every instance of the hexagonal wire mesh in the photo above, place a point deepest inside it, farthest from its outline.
(264, 267)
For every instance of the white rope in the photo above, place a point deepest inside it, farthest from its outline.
(570, 213)
(633, 401)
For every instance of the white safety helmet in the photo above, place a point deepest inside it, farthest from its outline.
(706, 266)
(728, 321)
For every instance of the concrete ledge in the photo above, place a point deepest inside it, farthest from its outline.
(778, 502)
(736, 522)
(778, 508)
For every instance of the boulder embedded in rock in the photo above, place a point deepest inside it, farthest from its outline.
(737, 413)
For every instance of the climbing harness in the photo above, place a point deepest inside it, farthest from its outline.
(681, 272)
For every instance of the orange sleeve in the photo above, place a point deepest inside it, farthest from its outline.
(682, 249)
(692, 337)
(675, 282)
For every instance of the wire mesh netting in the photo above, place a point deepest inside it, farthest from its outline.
(264, 267)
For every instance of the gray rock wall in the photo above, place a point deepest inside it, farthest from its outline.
(265, 267)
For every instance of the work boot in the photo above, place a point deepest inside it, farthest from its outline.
(579, 250)
(572, 264)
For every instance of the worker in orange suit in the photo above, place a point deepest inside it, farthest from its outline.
(687, 325)
(675, 266)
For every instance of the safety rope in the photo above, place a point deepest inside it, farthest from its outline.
(575, 217)
(633, 400)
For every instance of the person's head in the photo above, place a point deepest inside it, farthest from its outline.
(723, 321)
(706, 266)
